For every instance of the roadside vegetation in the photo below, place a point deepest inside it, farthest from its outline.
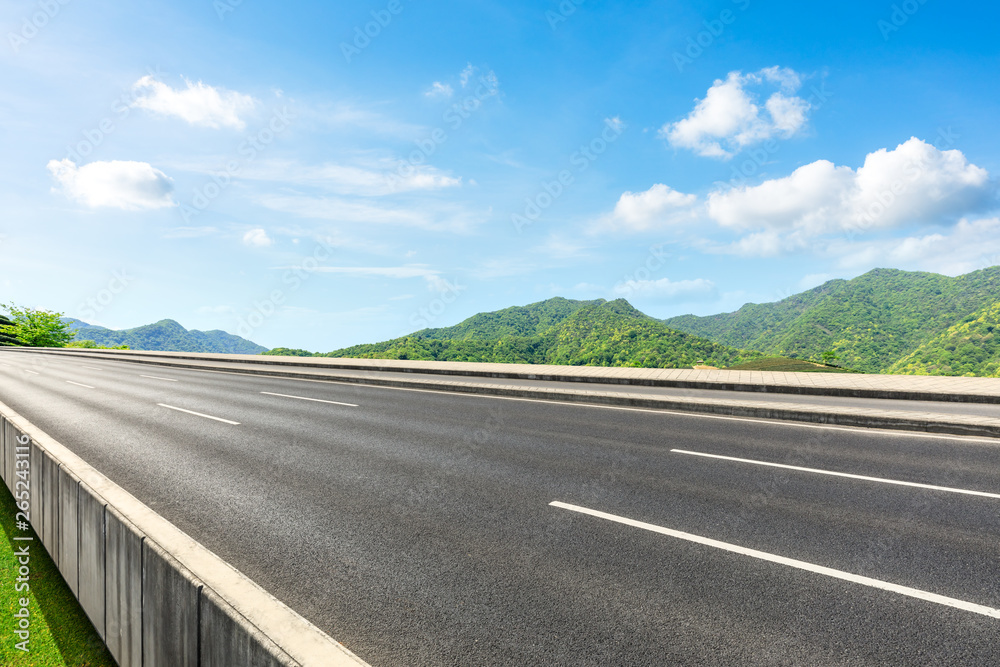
(30, 327)
(60, 634)
(786, 365)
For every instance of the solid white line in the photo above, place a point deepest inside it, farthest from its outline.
(192, 412)
(790, 562)
(153, 377)
(32, 372)
(841, 474)
(79, 385)
(303, 398)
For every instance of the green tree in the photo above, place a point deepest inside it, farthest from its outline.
(6, 337)
(38, 328)
(829, 357)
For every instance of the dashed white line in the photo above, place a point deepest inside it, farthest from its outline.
(840, 474)
(87, 386)
(155, 377)
(32, 372)
(790, 562)
(93, 368)
(199, 414)
(305, 398)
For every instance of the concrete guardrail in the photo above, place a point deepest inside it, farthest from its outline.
(156, 596)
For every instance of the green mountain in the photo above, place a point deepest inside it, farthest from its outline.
(558, 331)
(873, 322)
(971, 347)
(166, 335)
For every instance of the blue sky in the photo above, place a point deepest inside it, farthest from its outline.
(316, 175)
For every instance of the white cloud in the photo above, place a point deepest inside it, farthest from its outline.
(913, 184)
(435, 283)
(729, 118)
(257, 238)
(354, 213)
(198, 104)
(439, 89)
(665, 289)
(117, 184)
(367, 177)
(970, 245)
(656, 208)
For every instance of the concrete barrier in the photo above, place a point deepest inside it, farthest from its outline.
(155, 596)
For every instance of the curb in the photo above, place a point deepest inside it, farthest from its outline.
(154, 594)
(926, 422)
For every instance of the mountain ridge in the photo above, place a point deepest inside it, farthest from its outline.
(166, 336)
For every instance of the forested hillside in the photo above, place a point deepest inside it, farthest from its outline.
(558, 331)
(166, 335)
(871, 322)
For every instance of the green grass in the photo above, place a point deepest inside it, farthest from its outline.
(61, 634)
(785, 365)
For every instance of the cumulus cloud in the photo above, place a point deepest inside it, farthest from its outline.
(257, 238)
(730, 117)
(665, 289)
(116, 184)
(198, 104)
(915, 183)
(658, 207)
(912, 185)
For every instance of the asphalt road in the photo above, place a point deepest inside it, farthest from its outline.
(940, 407)
(417, 529)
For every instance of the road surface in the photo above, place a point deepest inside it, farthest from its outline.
(418, 527)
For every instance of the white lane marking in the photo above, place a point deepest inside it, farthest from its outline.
(192, 412)
(900, 433)
(304, 398)
(93, 368)
(154, 377)
(32, 372)
(840, 474)
(790, 562)
(78, 384)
